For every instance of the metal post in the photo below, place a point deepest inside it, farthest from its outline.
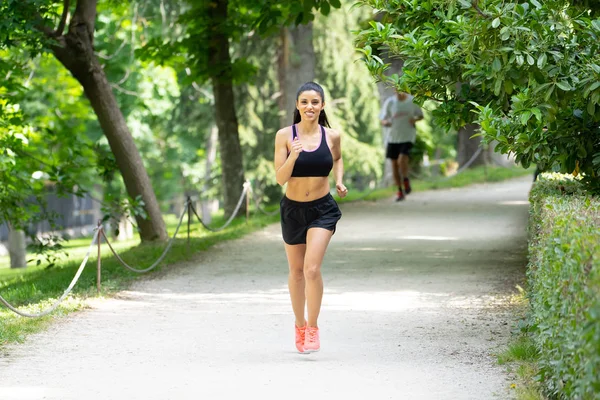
(99, 267)
(189, 213)
(247, 204)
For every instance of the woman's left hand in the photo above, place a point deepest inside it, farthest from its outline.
(341, 190)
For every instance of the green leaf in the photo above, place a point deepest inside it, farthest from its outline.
(549, 93)
(591, 108)
(530, 60)
(564, 85)
(525, 117)
(496, 23)
(536, 4)
(591, 88)
(520, 60)
(496, 65)
(335, 3)
(497, 87)
(542, 59)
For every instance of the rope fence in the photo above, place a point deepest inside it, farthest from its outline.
(233, 214)
(99, 234)
(162, 256)
(64, 295)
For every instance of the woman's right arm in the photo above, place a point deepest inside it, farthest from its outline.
(284, 164)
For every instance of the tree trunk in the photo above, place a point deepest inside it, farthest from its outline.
(467, 147)
(17, 248)
(75, 51)
(211, 156)
(222, 81)
(296, 66)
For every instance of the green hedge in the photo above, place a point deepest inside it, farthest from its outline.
(564, 287)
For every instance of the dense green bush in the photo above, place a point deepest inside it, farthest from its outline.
(564, 278)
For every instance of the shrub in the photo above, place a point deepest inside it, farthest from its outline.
(564, 279)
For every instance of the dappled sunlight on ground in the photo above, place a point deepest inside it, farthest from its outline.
(336, 298)
(434, 238)
(514, 203)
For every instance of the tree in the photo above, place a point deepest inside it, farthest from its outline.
(296, 65)
(27, 165)
(28, 23)
(211, 28)
(527, 72)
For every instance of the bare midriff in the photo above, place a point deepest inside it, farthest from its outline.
(307, 188)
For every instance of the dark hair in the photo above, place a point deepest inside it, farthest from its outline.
(317, 88)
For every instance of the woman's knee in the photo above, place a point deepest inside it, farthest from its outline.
(297, 273)
(312, 272)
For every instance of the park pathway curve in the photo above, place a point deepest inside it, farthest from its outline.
(416, 304)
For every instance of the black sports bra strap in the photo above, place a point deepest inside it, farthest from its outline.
(294, 134)
(323, 131)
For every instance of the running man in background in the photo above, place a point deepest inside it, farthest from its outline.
(399, 115)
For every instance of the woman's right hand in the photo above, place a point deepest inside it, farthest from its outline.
(296, 149)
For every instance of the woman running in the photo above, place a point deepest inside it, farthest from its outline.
(305, 155)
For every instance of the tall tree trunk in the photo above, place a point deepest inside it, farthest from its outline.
(211, 156)
(297, 64)
(222, 81)
(17, 248)
(467, 147)
(76, 52)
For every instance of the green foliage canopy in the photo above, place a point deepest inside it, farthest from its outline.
(528, 72)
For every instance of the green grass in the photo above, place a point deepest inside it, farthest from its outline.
(521, 355)
(521, 349)
(35, 288)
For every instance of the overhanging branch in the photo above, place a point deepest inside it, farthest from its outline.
(63, 20)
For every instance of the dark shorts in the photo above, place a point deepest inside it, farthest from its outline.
(297, 217)
(395, 149)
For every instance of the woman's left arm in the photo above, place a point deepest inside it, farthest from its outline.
(338, 163)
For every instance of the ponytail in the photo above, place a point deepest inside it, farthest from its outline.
(323, 119)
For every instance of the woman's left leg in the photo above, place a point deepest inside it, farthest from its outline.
(317, 240)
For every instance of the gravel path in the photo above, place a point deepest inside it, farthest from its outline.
(416, 304)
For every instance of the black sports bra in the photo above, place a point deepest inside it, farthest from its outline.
(318, 162)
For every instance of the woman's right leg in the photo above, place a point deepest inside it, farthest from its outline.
(296, 284)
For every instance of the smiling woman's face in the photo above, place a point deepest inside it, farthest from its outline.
(309, 104)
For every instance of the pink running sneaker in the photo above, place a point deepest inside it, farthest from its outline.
(300, 333)
(312, 343)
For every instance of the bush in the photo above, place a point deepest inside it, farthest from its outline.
(564, 279)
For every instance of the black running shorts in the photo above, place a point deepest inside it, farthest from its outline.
(395, 149)
(297, 217)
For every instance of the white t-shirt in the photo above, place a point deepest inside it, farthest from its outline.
(400, 113)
